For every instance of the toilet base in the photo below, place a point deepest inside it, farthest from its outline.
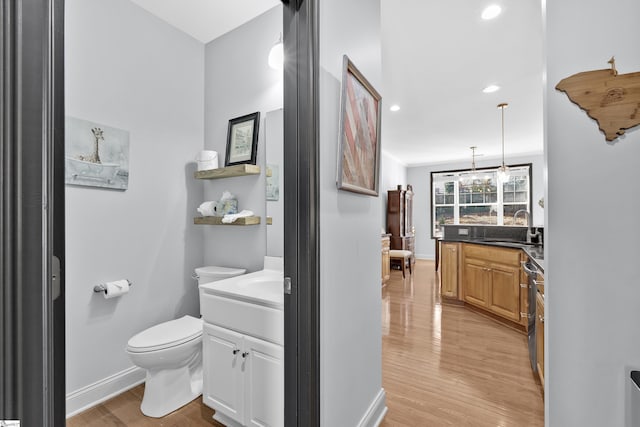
(169, 389)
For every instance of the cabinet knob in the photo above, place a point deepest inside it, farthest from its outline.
(541, 318)
(236, 351)
(245, 354)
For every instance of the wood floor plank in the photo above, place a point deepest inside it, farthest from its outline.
(444, 365)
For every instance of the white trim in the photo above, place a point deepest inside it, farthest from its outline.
(376, 412)
(93, 394)
(426, 257)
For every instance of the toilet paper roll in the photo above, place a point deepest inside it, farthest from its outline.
(116, 288)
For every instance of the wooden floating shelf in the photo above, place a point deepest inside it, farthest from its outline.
(228, 172)
(217, 220)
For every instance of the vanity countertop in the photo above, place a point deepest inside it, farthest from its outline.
(261, 287)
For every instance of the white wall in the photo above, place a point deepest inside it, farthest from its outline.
(392, 174)
(350, 223)
(592, 231)
(420, 178)
(238, 81)
(127, 69)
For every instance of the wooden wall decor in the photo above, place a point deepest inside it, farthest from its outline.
(611, 99)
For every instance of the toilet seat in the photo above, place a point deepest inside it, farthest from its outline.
(166, 335)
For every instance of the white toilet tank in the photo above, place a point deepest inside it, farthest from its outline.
(213, 273)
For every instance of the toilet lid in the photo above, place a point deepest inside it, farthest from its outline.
(220, 271)
(167, 334)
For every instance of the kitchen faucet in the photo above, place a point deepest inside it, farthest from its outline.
(530, 235)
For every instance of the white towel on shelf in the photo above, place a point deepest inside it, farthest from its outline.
(207, 209)
(229, 218)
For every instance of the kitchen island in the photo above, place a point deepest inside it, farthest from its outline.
(496, 272)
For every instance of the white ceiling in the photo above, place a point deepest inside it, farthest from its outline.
(206, 20)
(437, 57)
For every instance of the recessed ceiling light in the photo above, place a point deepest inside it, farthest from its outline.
(394, 107)
(491, 89)
(491, 12)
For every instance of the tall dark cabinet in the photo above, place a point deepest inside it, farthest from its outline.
(400, 219)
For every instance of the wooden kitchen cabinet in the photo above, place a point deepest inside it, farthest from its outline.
(491, 279)
(505, 291)
(386, 262)
(450, 254)
(477, 280)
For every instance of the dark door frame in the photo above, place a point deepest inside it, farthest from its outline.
(32, 368)
(301, 247)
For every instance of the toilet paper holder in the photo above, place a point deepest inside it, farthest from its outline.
(102, 287)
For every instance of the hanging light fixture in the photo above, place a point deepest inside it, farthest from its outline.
(276, 55)
(474, 175)
(503, 171)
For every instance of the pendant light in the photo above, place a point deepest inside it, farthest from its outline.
(503, 171)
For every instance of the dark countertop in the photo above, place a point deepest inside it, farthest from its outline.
(535, 252)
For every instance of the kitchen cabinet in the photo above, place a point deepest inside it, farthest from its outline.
(477, 280)
(450, 253)
(491, 279)
(243, 378)
(386, 262)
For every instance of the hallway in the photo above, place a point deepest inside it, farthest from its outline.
(448, 366)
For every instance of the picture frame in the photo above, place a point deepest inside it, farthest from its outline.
(96, 155)
(359, 147)
(242, 140)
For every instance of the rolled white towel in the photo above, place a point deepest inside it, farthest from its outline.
(229, 218)
(207, 209)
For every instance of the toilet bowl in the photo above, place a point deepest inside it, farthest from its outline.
(171, 353)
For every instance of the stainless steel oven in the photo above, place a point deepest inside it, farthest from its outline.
(532, 273)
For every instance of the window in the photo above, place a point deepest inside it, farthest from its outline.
(466, 197)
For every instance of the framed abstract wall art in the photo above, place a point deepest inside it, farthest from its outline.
(359, 150)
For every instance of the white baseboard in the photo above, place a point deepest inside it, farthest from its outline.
(93, 394)
(429, 257)
(376, 412)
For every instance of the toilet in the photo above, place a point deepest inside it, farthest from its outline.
(171, 353)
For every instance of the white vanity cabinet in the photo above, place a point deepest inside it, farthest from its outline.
(243, 378)
(243, 347)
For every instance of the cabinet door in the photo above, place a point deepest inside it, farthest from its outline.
(477, 279)
(264, 383)
(505, 292)
(449, 269)
(386, 266)
(540, 337)
(222, 387)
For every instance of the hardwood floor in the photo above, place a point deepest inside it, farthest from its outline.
(124, 410)
(441, 366)
(445, 365)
